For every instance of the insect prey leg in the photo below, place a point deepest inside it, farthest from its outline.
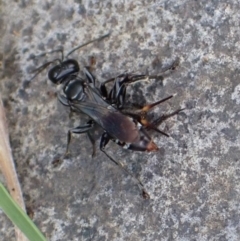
(150, 106)
(171, 66)
(162, 118)
(104, 141)
(119, 81)
(134, 78)
(141, 116)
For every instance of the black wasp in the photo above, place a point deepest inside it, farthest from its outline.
(121, 122)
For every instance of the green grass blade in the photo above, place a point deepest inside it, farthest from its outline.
(19, 217)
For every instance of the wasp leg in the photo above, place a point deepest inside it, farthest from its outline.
(63, 100)
(103, 88)
(79, 130)
(104, 141)
(92, 140)
(91, 79)
(118, 88)
(117, 93)
(125, 79)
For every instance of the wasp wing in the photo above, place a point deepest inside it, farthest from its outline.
(116, 124)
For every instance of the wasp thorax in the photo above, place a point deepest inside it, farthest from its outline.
(74, 89)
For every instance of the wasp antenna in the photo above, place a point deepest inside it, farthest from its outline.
(91, 41)
(50, 52)
(39, 70)
(42, 67)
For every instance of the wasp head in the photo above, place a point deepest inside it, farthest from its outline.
(59, 73)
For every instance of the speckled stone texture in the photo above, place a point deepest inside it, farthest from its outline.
(193, 180)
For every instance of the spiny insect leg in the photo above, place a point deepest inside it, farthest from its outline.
(150, 106)
(162, 118)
